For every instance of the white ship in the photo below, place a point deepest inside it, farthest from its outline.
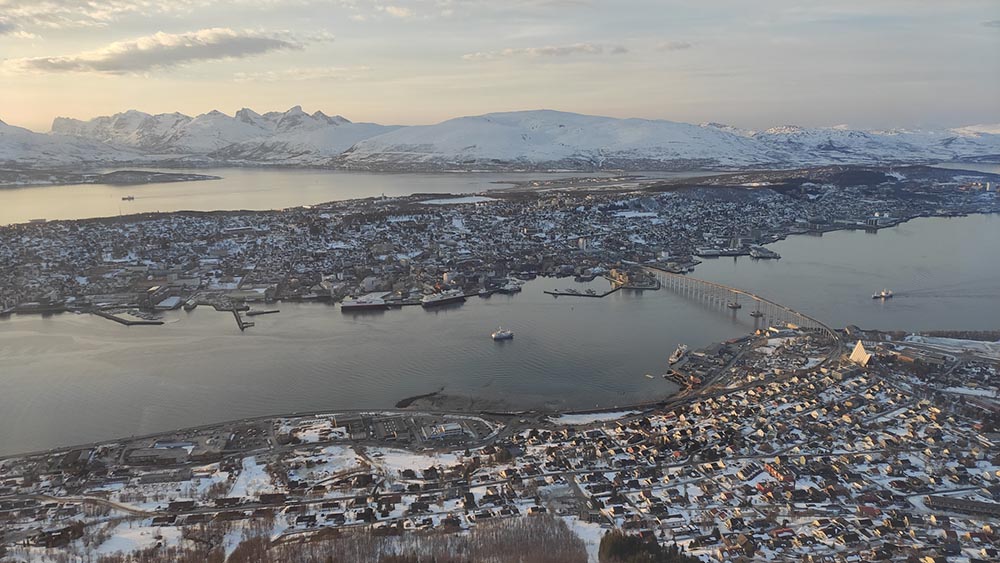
(678, 354)
(443, 298)
(367, 302)
(502, 333)
(884, 294)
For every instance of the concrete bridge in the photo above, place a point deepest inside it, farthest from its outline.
(763, 311)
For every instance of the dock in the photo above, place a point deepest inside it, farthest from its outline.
(239, 320)
(255, 313)
(557, 293)
(126, 322)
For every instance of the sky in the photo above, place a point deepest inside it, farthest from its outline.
(753, 64)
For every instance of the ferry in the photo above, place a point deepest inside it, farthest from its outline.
(510, 288)
(502, 333)
(678, 354)
(443, 298)
(883, 295)
(366, 303)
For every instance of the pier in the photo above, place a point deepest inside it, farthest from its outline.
(268, 312)
(239, 320)
(126, 322)
(557, 293)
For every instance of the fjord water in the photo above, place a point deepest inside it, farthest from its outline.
(250, 189)
(75, 378)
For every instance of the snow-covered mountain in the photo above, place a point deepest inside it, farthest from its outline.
(21, 147)
(296, 137)
(552, 139)
(173, 133)
(540, 139)
(842, 145)
(289, 137)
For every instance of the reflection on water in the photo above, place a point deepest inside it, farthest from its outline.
(74, 378)
(246, 188)
(945, 273)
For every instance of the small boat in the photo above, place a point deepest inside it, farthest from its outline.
(128, 198)
(756, 314)
(502, 333)
(649, 375)
(734, 305)
(485, 292)
(883, 295)
(678, 354)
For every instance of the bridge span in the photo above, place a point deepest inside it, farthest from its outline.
(763, 311)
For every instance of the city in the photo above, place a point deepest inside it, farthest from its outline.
(404, 248)
(516, 281)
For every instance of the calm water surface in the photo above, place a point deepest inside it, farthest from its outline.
(75, 378)
(249, 188)
(945, 273)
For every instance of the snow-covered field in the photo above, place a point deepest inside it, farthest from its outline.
(252, 480)
(129, 538)
(589, 418)
(458, 200)
(394, 461)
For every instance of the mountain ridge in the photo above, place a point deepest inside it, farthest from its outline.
(515, 140)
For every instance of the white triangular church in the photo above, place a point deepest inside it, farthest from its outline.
(860, 356)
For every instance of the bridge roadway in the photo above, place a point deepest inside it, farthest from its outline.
(721, 296)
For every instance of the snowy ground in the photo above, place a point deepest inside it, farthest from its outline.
(591, 535)
(252, 480)
(458, 200)
(957, 346)
(129, 538)
(395, 461)
(326, 463)
(588, 418)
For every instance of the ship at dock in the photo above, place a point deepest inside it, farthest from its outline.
(370, 302)
(678, 354)
(760, 253)
(443, 298)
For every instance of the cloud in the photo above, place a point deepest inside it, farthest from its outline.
(297, 74)
(397, 11)
(673, 46)
(162, 50)
(12, 29)
(549, 51)
(61, 14)
(992, 23)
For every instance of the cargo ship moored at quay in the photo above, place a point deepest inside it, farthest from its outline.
(443, 298)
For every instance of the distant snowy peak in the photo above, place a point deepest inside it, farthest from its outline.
(22, 147)
(552, 139)
(537, 140)
(181, 134)
(989, 129)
